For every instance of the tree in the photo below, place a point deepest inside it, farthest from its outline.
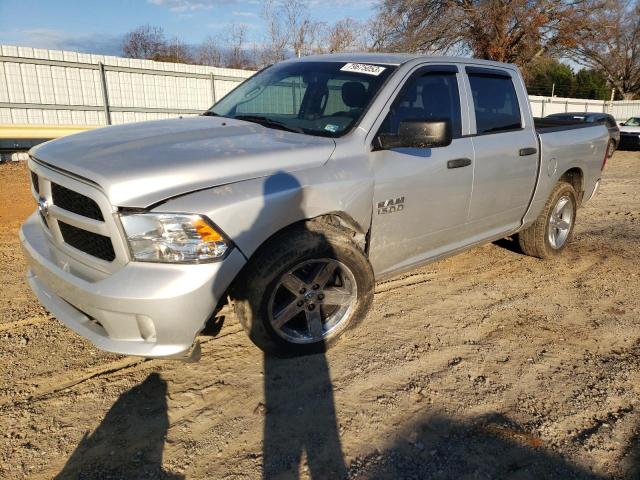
(343, 36)
(209, 53)
(146, 42)
(304, 32)
(236, 55)
(615, 49)
(515, 31)
(175, 51)
(591, 84)
(290, 30)
(546, 75)
(277, 34)
(150, 43)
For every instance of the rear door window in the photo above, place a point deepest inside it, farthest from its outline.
(495, 102)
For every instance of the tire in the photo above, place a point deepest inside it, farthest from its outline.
(611, 148)
(537, 240)
(270, 290)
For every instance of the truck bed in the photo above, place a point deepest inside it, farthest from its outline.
(546, 125)
(583, 150)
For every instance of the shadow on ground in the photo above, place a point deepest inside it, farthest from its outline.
(129, 441)
(491, 447)
(300, 418)
(509, 243)
(301, 439)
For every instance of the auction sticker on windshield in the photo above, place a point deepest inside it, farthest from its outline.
(363, 68)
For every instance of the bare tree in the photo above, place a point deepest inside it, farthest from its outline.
(378, 31)
(304, 32)
(150, 43)
(175, 51)
(290, 30)
(209, 52)
(146, 42)
(614, 49)
(345, 35)
(278, 36)
(236, 55)
(505, 30)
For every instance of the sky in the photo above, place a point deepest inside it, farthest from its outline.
(98, 26)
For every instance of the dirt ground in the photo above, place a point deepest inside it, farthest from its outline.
(489, 364)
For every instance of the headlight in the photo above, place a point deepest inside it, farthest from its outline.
(173, 238)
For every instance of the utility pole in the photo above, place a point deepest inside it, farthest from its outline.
(613, 95)
(553, 89)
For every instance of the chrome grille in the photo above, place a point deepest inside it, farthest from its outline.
(78, 218)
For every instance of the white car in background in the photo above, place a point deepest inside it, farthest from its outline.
(630, 134)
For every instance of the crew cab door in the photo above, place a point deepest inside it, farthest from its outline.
(421, 195)
(506, 152)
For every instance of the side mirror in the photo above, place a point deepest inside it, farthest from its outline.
(418, 134)
(621, 124)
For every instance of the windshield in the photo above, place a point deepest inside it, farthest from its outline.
(632, 122)
(318, 98)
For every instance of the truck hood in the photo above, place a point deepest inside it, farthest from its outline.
(630, 129)
(140, 164)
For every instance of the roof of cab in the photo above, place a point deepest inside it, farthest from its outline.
(392, 59)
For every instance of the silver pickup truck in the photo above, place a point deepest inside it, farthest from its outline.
(292, 195)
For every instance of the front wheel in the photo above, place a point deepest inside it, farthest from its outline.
(553, 228)
(303, 289)
(611, 148)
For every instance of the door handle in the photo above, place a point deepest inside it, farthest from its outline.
(459, 162)
(528, 151)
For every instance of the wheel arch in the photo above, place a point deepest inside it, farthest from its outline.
(574, 177)
(335, 220)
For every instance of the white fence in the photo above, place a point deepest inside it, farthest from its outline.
(620, 109)
(53, 87)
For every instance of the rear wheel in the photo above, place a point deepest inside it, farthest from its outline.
(302, 290)
(553, 228)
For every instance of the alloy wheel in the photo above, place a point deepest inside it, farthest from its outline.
(313, 301)
(560, 222)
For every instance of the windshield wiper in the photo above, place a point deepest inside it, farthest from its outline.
(268, 122)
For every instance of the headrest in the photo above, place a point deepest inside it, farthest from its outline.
(354, 95)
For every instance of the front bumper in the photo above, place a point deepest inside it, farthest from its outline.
(144, 309)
